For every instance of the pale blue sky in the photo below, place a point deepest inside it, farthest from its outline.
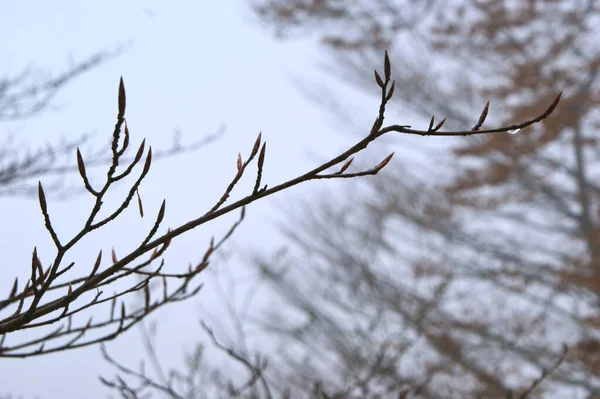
(191, 65)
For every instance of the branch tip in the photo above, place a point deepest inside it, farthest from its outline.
(122, 99)
(387, 66)
(378, 79)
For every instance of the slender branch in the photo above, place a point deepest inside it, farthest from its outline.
(42, 282)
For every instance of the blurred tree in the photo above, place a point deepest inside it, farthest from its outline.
(24, 96)
(402, 291)
(508, 263)
(466, 286)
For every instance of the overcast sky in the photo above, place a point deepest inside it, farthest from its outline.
(191, 66)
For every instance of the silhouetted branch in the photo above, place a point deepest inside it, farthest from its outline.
(34, 307)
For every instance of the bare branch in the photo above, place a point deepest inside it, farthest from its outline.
(41, 310)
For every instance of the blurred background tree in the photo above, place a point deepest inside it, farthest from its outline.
(466, 285)
(29, 94)
(22, 97)
(465, 278)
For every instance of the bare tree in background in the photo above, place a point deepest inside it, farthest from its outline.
(178, 384)
(466, 287)
(30, 93)
(22, 97)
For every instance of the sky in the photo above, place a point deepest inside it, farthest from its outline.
(191, 67)
(188, 66)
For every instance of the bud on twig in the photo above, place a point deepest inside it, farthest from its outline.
(439, 125)
(383, 163)
(42, 199)
(140, 152)
(13, 291)
(256, 145)
(345, 166)
(140, 207)
(161, 212)
(121, 98)
(390, 93)
(430, 128)
(148, 162)
(81, 166)
(97, 263)
(378, 79)
(387, 66)
(482, 117)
